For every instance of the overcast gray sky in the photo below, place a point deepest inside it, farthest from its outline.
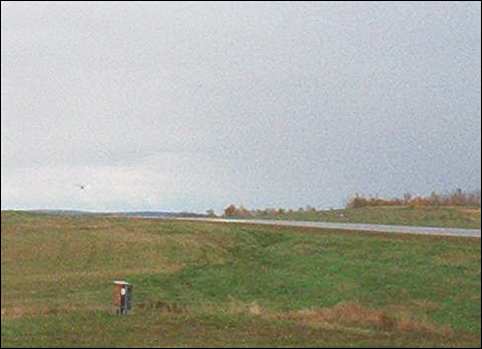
(190, 106)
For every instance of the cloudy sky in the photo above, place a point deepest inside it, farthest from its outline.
(183, 106)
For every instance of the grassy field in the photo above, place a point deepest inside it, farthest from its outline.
(455, 217)
(213, 284)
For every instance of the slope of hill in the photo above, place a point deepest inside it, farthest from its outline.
(205, 284)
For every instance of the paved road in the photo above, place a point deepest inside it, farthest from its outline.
(399, 229)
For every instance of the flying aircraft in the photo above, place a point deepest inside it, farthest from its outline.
(81, 186)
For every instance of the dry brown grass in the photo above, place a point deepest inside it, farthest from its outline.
(80, 276)
(456, 258)
(350, 318)
(414, 326)
(347, 313)
(20, 311)
(346, 316)
(353, 314)
(473, 211)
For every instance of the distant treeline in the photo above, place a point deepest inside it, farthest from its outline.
(457, 197)
(234, 211)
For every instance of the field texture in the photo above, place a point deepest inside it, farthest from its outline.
(212, 284)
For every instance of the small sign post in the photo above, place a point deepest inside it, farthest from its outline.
(122, 297)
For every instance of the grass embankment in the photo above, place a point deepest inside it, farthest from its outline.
(211, 284)
(448, 217)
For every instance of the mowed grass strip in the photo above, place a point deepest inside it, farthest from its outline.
(212, 284)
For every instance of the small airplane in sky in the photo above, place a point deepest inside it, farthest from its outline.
(81, 186)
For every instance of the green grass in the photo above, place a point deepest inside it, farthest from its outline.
(212, 284)
(454, 217)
